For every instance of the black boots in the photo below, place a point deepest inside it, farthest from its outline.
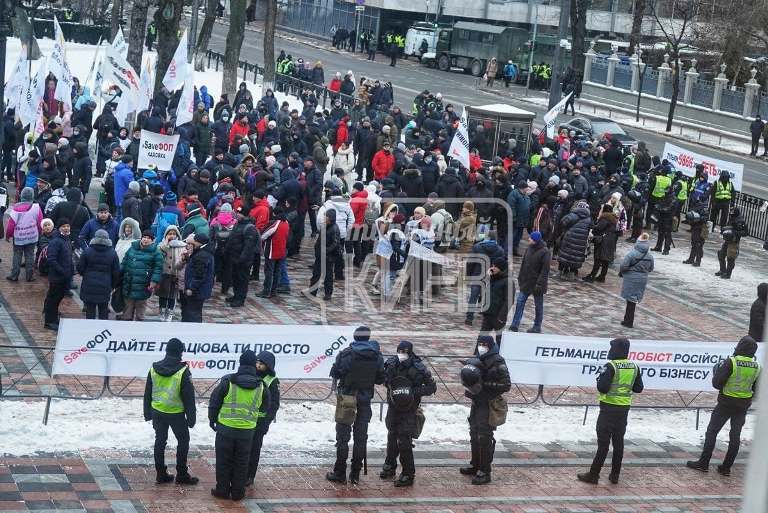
(404, 480)
(588, 477)
(387, 472)
(698, 465)
(336, 477)
(163, 476)
(481, 478)
(184, 478)
(613, 477)
(723, 471)
(484, 460)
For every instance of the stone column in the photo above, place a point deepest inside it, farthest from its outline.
(633, 65)
(691, 76)
(663, 76)
(752, 89)
(589, 58)
(720, 82)
(612, 61)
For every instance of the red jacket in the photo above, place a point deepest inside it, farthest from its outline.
(274, 240)
(238, 129)
(260, 214)
(359, 204)
(475, 162)
(342, 134)
(335, 85)
(383, 163)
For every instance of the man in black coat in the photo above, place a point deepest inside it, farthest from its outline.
(756, 130)
(532, 278)
(449, 188)
(617, 381)
(736, 379)
(491, 380)
(242, 246)
(8, 163)
(495, 316)
(73, 210)
(60, 271)
(265, 367)
(82, 171)
(488, 247)
(235, 426)
(169, 402)
(364, 146)
(407, 380)
(757, 314)
(357, 369)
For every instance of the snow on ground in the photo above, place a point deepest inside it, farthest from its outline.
(109, 424)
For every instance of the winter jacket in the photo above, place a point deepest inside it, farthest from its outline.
(757, 314)
(123, 177)
(344, 159)
(246, 377)
(260, 214)
(270, 413)
(89, 231)
(415, 375)
(100, 269)
(359, 204)
(314, 185)
(383, 163)
(82, 171)
(132, 205)
(344, 215)
(198, 274)
(619, 351)
(274, 240)
(723, 370)
(169, 366)
(635, 268)
(495, 316)
(203, 135)
(495, 376)
(534, 270)
(520, 204)
(124, 243)
(320, 156)
(605, 237)
(240, 129)
(29, 227)
(141, 266)
(575, 227)
(59, 261)
(195, 224)
(243, 243)
(366, 352)
(73, 210)
(412, 185)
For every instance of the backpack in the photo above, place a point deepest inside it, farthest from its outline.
(42, 261)
(371, 214)
(162, 221)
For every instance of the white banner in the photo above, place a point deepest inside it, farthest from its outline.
(117, 71)
(686, 160)
(17, 82)
(32, 96)
(186, 108)
(120, 348)
(459, 149)
(57, 63)
(146, 85)
(120, 44)
(157, 149)
(544, 359)
(177, 68)
(551, 115)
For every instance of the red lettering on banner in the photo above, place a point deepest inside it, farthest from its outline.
(74, 355)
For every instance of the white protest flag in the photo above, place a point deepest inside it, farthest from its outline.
(57, 64)
(146, 85)
(117, 71)
(459, 149)
(549, 117)
(32, 95)
(17, 82)
(186, 107)
(94, 79)
(177, 68)
(120, 44)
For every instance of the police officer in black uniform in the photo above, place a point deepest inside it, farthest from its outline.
(732, 234)
(357, 369)
(407, 380)
(736, 379)
(169, 402)
(617, 381)
(485, 378)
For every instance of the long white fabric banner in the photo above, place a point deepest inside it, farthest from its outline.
(122, 348)
(543, 359)
(686, 160)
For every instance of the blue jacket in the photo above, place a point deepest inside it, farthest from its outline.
(206, 98)
(198, 275)
(100, 269)
(89, 230)
(59, 260)
(521, 207)
(123, 177)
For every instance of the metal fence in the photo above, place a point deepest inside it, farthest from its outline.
(733, 100)
(622, 77)
(703, 93)
(650, 82)
(599, 73)
(36, 382)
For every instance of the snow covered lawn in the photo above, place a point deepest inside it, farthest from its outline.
(118, 424)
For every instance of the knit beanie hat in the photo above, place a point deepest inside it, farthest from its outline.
(248, 358)
(405, 346)
(27, 194)
(174, 347)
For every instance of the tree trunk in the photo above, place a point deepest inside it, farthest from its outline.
(234, 43)
(136, 33)
(675, 91)
(637, 26)
(579, 10)
(22, 28)
(114, 22)
(269, 44)
(167, 18)
(205, 34)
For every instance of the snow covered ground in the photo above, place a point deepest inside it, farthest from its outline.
(110, 424)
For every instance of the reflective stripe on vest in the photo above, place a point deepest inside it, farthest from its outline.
(722, 192)
(268, 379)
(743, 376)
(683, 194)
(166, 391)
(620, 394)
(663, 183)
(241, 407)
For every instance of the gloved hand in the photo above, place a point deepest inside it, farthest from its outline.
(537, 290)
(191, 422)
(212, 423)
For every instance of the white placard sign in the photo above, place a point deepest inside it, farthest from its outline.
(122, 348)
(686, 160)
(157, 149)
(555, 360)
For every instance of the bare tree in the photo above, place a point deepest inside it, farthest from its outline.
(139, 13)
(676, 30)
(269, 43)
(235, 36)
(167, 17)
(204, 38)
(579, 11)
(114, 21)
(638, 13)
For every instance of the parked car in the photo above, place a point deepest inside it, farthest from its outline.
(596, 128)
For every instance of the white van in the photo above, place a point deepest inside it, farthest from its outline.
(419, 32)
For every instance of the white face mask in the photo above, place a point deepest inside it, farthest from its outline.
(402, 357)
(482, 350)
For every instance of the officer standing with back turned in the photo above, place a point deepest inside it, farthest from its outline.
(169, 402)
(617, 381)
(357, 369)
(736, 379)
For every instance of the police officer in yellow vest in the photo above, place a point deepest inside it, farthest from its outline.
(169, 402)
(234, 410)
(722, 191)
(736, 379)
(664, 200)
(617, 381)
(265, 366)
